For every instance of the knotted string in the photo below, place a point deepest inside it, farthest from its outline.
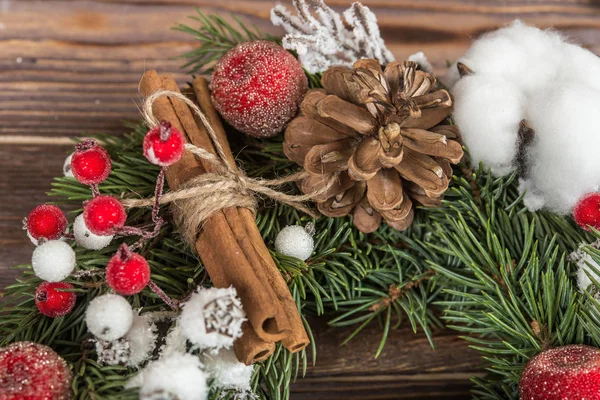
(197, 199)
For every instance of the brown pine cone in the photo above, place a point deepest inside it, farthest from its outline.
(381, 134)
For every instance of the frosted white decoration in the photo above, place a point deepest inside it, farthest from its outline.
(178, 376)
(109, 317)
(67, 171)
(227, 371)
(295, 241)
(53, 260)
(87, 239)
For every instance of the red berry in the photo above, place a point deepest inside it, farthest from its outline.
(52, 301)
(90, 164)
(103, 215)
(46, 221)
(587, 211)
(127, 272)
(257, 87)
(163, 145)
(32, 371)
(568, 372)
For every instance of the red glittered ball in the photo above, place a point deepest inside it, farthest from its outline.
(257, 87)
(46, 221)
(127, 273)
(103, 215)
(163, 145)
(52, 301)
(587, 211)
(91, 163)
(32, 371)
(568, 372)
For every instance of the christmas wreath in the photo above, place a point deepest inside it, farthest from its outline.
(316, 174)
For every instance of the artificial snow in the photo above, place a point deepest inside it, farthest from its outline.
(87, 239)
(53, 260)
(524, 73)
(109, 317)
(584, 271)
(212, 318)
(295, 241)
(178, 376)
(142, 339)
(227, 371)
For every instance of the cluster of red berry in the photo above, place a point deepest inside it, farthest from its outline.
(127, 272)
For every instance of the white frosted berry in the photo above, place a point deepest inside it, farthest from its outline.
(67, 167)
(142, 339)
(53, 260)
(109, 317)
(178, 376)
(87, 239)
(295, 241)
(212, 318)
(227, 371)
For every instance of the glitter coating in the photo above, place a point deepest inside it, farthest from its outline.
(257, 87)
(563, 373)
(109, 317)
(129, 275)
(103, 215)
(52, 301)
(91, 166)
(587, 211)
(163, 152)
(31, 371)
(46, 221)
(53, 260)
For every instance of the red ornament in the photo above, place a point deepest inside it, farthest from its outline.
(52, 301)
(103, 215)
(568, 372)
(46, 221)
(587, 211)
(257, 87)
(163, 145)
(32, 371)
(127, 272)
(90, 164)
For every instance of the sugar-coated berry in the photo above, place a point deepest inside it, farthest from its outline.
(163, 145)
(53, 260)
(67, 171)
(91, 163)
(53, 301)
(567, 372)
(109, 317)
(32, 371)
(127, 273)
(587, 211)
(46, 221)
(257, 87)
(295, 241)
(104, 215)
(85, 238)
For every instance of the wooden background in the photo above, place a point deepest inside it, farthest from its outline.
(70, 68)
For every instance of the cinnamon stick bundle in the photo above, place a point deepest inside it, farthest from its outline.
(229, 243)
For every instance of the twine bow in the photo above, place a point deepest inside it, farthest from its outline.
(228, 186)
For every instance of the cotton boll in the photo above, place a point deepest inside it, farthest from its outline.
(422, 60)
(109, 317)
(564, 154)
(212, 318)
(141, 337)
(87, 239)
(227, 371)
(178, 376)
(488, 111)
(580, 65)
(533, 199)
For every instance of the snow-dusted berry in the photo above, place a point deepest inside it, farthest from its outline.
(295, 241)
(178, 376)
(227, 371)
(53, 260)
(109, 317)
(163, 145)
(85, 238)
(587, 211)
(91, 163)
(212, 318)
(46, 222)
(31, 371)
(104, 215)
(257, 87)
(52, 300)
(127, 272)
(67, 169)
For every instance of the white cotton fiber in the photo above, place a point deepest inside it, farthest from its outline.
(583, 279)
(227, 371)
(178, 376)
(524, 73)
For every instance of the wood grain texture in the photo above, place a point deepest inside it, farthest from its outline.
(72, 67)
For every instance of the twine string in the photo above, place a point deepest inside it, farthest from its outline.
(197, 199)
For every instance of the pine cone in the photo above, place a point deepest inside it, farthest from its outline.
(380, 133)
